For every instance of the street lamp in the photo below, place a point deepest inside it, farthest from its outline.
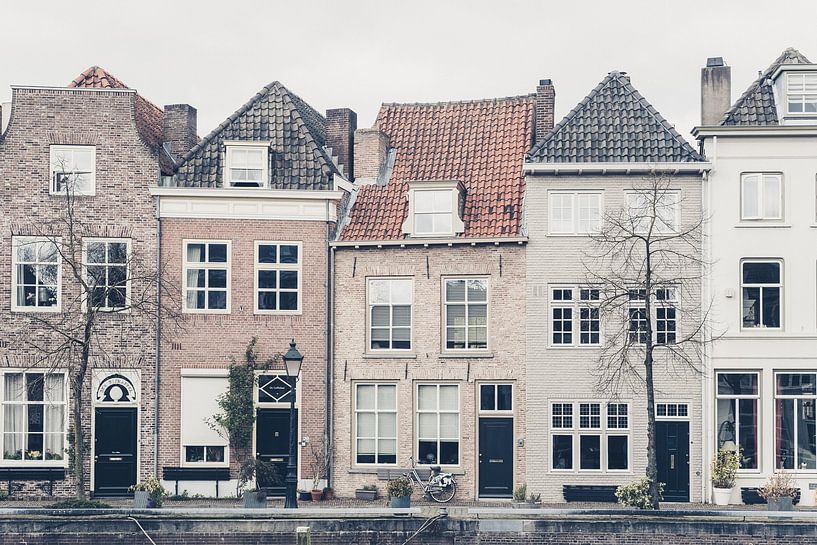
(292, 361)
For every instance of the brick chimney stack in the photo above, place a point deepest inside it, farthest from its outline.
(544, 106)
(716, 91)
(180, 128)
(341, 124)
(371, 147)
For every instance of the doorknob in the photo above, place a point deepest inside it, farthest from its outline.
(672, 461)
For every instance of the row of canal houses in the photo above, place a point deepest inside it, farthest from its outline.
(430, 269)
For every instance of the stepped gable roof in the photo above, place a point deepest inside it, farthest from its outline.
(480, 143)
(756, 106)
(296, 131)
(614, 124)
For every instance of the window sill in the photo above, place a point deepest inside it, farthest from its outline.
(390, 355)
(762, 224)
(206, 312)
(466, 355)
(277, 312)
(574, 347)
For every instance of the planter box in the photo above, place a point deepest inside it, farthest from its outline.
(141, 500)
(402, 502)
(304, 496)
(368, 495)
(721, 496)
(255, 500)
(780, 504)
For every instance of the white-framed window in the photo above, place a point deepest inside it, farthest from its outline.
(598, 440)
(438, 424)
(466, 313)
(202, 445)
(73, 169)
(801, 93)
(761, 196)
(737, 396)
(761, 283)
(375, 423)
(575, 316)
(672, 410)
(247, 164)
(664, 218)
(433, 211)
(34, 418)
(389, 301)
(574, 212)
(277, 277)
(496, 398)
(36, 274)
(106, 272)
(206, 276)
(795, 397)
(665, 315)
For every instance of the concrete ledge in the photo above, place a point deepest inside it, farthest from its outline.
(660, 515)
(215, 513)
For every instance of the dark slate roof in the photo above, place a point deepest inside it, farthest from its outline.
(614, 124)
(756, 106)
(297, 133)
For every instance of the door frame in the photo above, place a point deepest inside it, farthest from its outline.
(278, 405)
(479, 414)
(97, 378)
(686, 419)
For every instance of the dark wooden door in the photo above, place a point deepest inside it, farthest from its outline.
(114, 451)
(272, 445)
(672, 450)
(495, 457)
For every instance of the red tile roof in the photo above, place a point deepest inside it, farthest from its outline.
(480, 143)
(149, 117)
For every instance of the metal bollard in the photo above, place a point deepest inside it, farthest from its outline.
(303, 535)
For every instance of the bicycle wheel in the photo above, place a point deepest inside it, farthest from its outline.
(444, 495)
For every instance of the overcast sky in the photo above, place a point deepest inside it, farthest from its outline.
(215, 55)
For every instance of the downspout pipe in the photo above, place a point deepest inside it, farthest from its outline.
(157, 374)
(329, 339)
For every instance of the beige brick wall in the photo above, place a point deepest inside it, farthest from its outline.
(504, 265)
(571, 374)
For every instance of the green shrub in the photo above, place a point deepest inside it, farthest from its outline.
(154, 488)
(520, 493)
(725, 468)
(399, 487)
(79, 504)
(637, 494)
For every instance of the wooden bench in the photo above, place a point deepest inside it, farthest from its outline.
(390, 474)
(751, 496)
(195, 474)
(49, 474)
(589, 492)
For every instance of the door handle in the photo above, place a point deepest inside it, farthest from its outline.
(495, 460)
(276, 460)
(115, 459)
(672, 461)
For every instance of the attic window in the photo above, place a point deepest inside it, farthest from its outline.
(434, 209)
(801, 93)
(247, 164)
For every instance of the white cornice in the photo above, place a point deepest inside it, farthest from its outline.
(73, 89)
(221, 193)
(247, 204)
(768, 130)
(402, 243)
(615, 168)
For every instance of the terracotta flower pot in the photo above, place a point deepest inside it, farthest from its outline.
(316, 495)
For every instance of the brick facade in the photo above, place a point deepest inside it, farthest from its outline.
(504, 266)
(122, 207)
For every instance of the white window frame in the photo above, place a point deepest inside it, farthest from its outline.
(660, 227)
(640, 305)
(795, 398)
(576, 304)
(735, 398)
(452, 194)
(52, 169)
(376, 411)
(228, 265)
(297, 267)
(201, 373)
(677, 405)
(4, 403)
(762, 177)
(230, 146)
(779, 285)
(575, 197)
(438, 412)
(467, 304)
(20, 241)
(603, 431)
(127, 242)
(495, 411)
(204, 463)
(808, 89)
(369, 306)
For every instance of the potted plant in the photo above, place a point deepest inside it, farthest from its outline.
(329, 493)
(637, 494)
(148, 493)
(779, 492)
(321, 458)
(724, 471)
(368, 492)
(399, 491)
(520, 495)
(253, 471)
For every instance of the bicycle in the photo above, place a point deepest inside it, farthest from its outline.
(440, 486)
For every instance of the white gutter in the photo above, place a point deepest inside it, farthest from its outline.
(402, 243)
(219, 192)
(698, 167)
(767, 130)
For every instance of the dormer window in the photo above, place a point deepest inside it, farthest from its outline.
(247, 164)
(434, 209)
(801, 93)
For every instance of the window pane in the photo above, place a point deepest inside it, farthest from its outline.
(806, 440)
(751, 307)
(401, 316)
(194, 454)
(449, 452)
(289, 279)
(504, 397)
(267, 279)
(380, 316)
(217, 299)
(366, 425)
(771, 307)
(784, 431)
(424, 223)
(455, 337)
(217, 253)
(365, 397)
(95, 252)
(561, 213)
(455, 315)
(487, 397)
(737, 384)
(401, 291)
(289, 253)
(427, 397)
(590, 452)
(442, 223)
(427, 452)
(455, 290)
(771, 197)
(796, 384)
(761, 273)
(750, 196)
(195, 253)
(217, 278)
(477, 291)
(562, 452)
(449, 425)
(427, 425)
(387, 425)
(267, 300)
(387, 397)
(477, 315)
(267, 253)
(215, 454)
(379, 292)
(449, 398)
(617, 454)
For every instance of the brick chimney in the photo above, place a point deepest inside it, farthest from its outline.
(716, 91)
(544, 106)
(180, 128)
(371, 147)
(341, 124)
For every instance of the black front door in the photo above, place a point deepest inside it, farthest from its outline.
(495, 457)
(672, 446)
(114, 451)
(272, 445)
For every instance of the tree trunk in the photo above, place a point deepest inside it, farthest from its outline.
(652, 458)
(78, 448)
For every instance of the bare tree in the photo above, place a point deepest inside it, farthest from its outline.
(647, 263)
(108, 285)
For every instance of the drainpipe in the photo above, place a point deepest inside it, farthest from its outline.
(329, 339)
(156, 379)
